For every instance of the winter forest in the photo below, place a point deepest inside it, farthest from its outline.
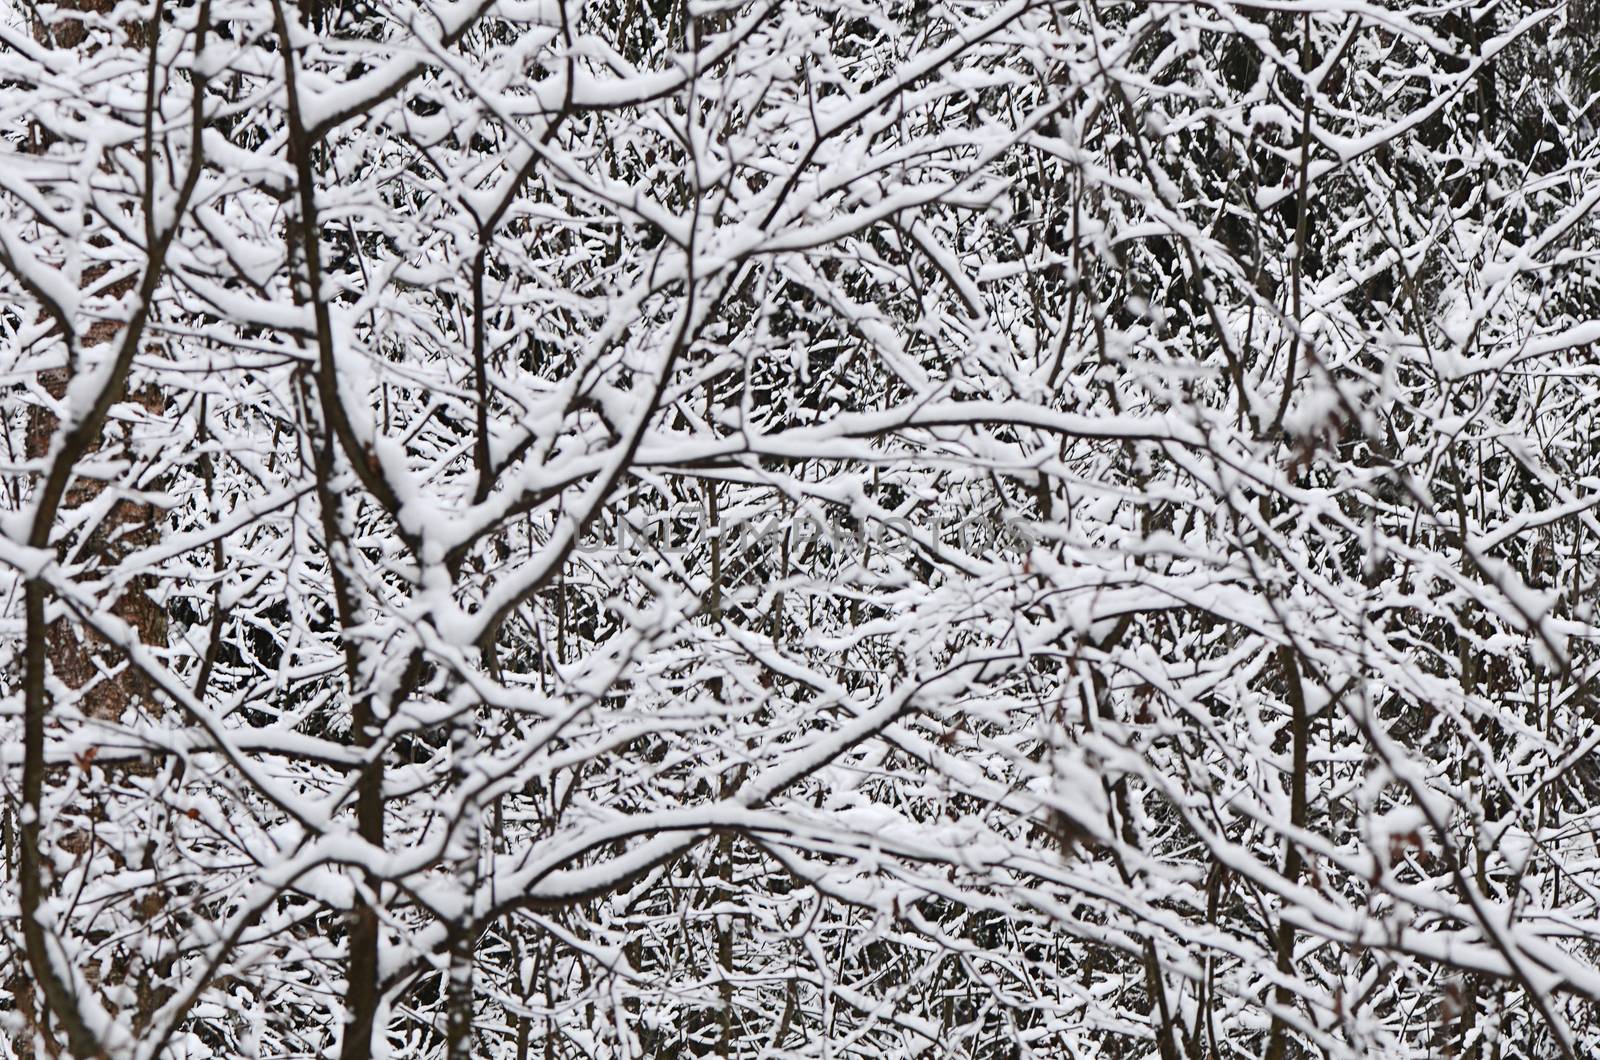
(839, 529)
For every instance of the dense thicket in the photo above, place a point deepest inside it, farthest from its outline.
(799, 528)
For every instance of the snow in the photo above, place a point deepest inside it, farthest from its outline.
(817, 530)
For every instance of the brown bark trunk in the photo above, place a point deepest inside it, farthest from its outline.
(80, 658)
(105, 684)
